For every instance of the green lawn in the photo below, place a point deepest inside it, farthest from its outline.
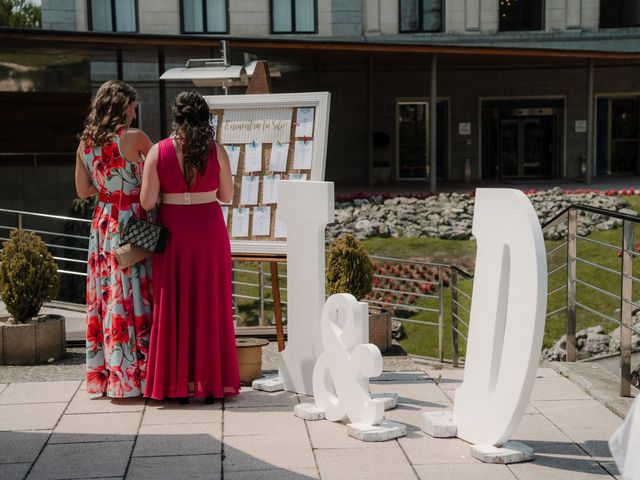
(423, 339)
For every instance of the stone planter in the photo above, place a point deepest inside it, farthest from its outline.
(39, 341)
(380, 328)
(250, 358)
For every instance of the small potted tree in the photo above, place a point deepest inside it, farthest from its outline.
(350, 270)
(28, 279)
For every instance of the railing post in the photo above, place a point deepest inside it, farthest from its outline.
(262, 320)
(625, 309)
(571, 283)
(441, 315)
(454, 317)
(20, 220)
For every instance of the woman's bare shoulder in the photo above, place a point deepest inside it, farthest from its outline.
(135, 135)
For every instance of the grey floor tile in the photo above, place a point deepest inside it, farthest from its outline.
(546, 372)
(24, 446)
(577, 413)
(326, 434)
(402, 377)
(426, 396)
(612, 468)
(255, 398)
(14, 471)
(267, 452)
(473, 471)
(538, 428)
(39, 416)
(559, 468)
(179, 439)
(410, 415)
(421, 449)
(289, 474)
(173, 468)
(594, 440)
(557, 388)
(38, 392)
(96, 427)
(167, 413)
(82, 460)
(364, 463)
(84, 402)
(262, 421)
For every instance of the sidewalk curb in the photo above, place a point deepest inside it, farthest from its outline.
(598, 382)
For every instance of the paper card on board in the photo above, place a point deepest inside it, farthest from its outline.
(304, 122)
(302, 155)
(253, 157)
(261, 221)
(278, 158)
(233, 152)
(240, 222)
(249, 192)
(270, 188)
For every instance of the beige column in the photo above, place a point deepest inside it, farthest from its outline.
(472, 15)
(574, 13)
(371, 17)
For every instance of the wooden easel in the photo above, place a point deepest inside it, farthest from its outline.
(261, 83)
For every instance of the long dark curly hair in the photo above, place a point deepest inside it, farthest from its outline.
(193, 130)
(108, 112)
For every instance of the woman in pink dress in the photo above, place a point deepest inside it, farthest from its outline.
(192, 348)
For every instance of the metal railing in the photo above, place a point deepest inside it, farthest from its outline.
(574, 303)
(251, 283)
(457, 307)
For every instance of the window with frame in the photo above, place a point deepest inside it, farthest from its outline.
(113, 15)
(421, 16)
(205, 16)
(518, 15)
(293, 16)
(619, 13)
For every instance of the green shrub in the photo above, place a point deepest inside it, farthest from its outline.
(349, 269)
(28, 275)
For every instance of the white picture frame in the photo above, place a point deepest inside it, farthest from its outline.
(320, 101)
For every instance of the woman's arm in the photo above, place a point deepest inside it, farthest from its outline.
(84, 186)
(135, 145)
(150, 182)
(225, 190)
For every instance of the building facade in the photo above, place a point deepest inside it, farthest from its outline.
(539, 89)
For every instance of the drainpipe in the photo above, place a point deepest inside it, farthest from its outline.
(432, 123)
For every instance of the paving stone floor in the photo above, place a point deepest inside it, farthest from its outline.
(54, 430)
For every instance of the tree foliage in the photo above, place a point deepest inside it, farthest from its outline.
(349, 269)
(20, 14)
(28, 275)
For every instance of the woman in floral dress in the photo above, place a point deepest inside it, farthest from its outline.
(118, 300)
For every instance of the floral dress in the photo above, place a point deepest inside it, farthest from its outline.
(118, 300)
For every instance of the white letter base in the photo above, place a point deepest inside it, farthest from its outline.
(385, 430)
(270, 383)
(440, 425)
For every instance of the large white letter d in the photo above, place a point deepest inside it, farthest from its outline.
(507, 318)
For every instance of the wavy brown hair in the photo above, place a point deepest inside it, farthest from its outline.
(108, 112)
(192, 128)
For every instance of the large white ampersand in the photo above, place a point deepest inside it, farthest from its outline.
(340, 376)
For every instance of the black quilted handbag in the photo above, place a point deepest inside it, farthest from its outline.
(144, 234)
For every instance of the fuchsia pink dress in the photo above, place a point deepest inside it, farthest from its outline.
(192, 348)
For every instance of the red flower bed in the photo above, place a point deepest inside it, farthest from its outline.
(406, 280)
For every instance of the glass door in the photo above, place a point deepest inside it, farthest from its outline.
(526, 146)
(413, 144)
